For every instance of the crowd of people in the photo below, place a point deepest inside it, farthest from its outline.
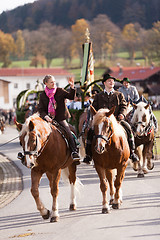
(55, 103)
(8, 116)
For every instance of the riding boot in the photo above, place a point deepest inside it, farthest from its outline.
(133, 156)
(88, 149)
(72, 143)
(74, 153)
(131, 142)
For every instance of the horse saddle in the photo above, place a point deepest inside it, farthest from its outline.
(64, 134)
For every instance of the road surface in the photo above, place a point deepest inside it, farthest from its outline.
(138, 218)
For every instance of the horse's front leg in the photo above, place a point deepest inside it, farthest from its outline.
(103, 187)
(118, 183)
(149, 155)
(35, 179)
(139, 152)
(54, 181)
(109, 176)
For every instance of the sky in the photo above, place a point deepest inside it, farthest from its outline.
(11, 4)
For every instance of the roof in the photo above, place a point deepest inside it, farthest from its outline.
(33, 72)
(154, 89)
(134, 73)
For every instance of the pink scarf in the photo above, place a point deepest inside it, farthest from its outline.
(52, 102)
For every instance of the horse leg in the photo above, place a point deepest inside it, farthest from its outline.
(35, 179)
(139, 152)
(72, 180)
(54, 181)
(109, 176)
(150, 164)
(103, 186)
(144, 165)
(118, 182)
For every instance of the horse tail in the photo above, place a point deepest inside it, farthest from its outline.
(65, 179)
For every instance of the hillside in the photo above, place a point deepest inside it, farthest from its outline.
(66, 12)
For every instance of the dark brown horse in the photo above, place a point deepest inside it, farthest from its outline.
(144, 137)
(110, 151)
(46, 151)
(82, 132)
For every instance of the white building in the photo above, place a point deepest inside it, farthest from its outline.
(15, 80)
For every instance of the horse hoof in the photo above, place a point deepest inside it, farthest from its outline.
(111, 201)
(115, 205)
(54, 219)
(105, 210)
(145, 171)
(47, 215)
(140, 175)
(72, 207)
(150, 168)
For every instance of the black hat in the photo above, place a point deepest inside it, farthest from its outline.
(125, 79)
(107, 76)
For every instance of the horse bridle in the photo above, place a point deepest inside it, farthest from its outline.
(35, 152)
(106, 138)
(147, 129)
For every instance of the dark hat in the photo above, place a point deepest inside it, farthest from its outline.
(125, 79)
(107, 76)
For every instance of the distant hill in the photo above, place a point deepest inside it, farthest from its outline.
(66, 12)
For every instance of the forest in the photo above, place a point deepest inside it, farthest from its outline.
(65, 12)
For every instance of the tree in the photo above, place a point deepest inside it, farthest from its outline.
(7, 47)
(78, 32)
(130, 36)
(20, 44)
(104, 35)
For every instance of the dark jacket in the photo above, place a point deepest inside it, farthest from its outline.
(102, 100)
(62, 112)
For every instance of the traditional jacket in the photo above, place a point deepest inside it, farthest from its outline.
(130, 94)
(62, 112)
(103, 100)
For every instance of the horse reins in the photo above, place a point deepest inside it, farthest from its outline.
(106, 138)
(9, 141)
(35, 152)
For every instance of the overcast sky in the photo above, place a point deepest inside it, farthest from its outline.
(11, 4)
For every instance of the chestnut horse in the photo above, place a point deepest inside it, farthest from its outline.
(110, 151)
(46, 151)
(143, 129)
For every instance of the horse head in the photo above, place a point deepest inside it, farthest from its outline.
(141, 118)
(102, 125)
(31, 140)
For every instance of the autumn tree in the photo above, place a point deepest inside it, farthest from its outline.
(156, 39)
(20, 44)
(104, 35)
(130, 36)
(7, 48)
(78, 32)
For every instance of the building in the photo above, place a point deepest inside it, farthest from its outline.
(15, 80)
(146, 79)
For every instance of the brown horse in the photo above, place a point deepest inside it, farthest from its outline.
(110, 151)
(46, 151)
(143, 129)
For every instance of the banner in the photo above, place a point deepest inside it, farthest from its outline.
(87, 74)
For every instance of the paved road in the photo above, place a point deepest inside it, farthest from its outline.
(138, 217)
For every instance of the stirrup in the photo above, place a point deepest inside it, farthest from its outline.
(75, 156)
